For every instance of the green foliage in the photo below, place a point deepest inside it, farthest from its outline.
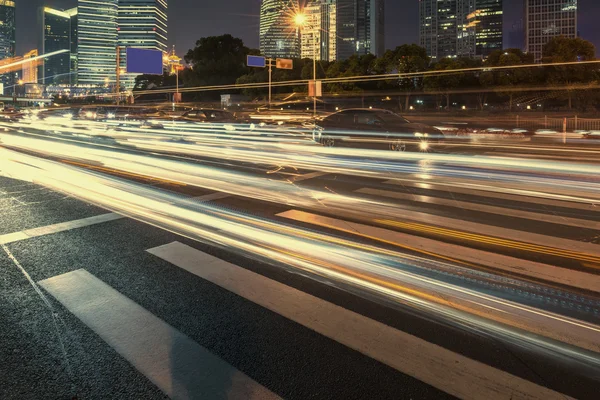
(216, 60)
(143, 82)
(221, 60)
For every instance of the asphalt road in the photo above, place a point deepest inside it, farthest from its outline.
(138, 304)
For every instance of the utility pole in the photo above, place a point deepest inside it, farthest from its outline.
(175, 64)
(270, 63)
(118, 71)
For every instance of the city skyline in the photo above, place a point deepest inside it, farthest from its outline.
(218, 18)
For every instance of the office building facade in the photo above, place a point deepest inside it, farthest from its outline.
(278, 36)
(360, 28)
(73, 15)
(339, 29)
(56, 35)
(460, 28)
(438, 28)
(7, 39)
(545, 19)
(479, 27)
(319, 36)
(141, 24)
(97, 42)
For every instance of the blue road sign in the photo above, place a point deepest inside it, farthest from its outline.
(257, 61)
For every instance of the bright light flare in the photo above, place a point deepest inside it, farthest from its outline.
(300, 19)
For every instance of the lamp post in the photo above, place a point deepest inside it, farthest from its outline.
(300, 20)
(175, 64)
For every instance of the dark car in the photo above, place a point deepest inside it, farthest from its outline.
(208, 115)
(375, 128)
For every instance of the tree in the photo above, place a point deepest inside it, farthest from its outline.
(216, 60)
(447, 81)
(505, 78)
(405, 59)
(562, 49)
(143, 82)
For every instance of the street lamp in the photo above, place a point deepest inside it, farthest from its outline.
(175, 64)
(301, 20)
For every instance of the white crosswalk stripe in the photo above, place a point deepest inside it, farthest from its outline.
(432, 364)
(180, 367)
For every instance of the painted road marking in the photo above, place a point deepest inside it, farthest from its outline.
(180, 367)
(501, 236)
(427, 362)
(308, 176)
(495, 193)
(579, 223)
(211, 197)
(60, 227)
(532, 269)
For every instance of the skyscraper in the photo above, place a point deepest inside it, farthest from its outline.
(74, 15)
(438, 28)
(56, 35)
(545, 19)
(479, 30)
(360, 27)
(319, 36)
(343, 28)
(465, 28)
(7, 37)
(277, 34)
(141, 24)
(97, 41)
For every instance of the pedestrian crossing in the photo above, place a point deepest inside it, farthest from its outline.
(183, 369)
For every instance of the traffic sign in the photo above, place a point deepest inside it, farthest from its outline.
(284, 63)
(256, 61)
(315, 88)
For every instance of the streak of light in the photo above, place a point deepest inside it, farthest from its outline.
(367, 78)
(392, 276)
(32, 59)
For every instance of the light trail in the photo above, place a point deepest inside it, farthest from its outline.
(366, 78)
(389, 274)
(32, 59)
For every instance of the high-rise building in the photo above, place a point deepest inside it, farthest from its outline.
(97, 41)
(465, 28)
(278, 35)
(319, 35)
(545, 19)
(30, 68)
(343, 28)
(438, 28)
(360, 27)
(73, 15)
(479, 27)
(141, 24)
(56, 35)
(7, 38)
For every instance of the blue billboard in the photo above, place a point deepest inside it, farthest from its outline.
(144, 61)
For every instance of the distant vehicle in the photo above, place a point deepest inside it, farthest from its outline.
(375, 128)
(208, 116)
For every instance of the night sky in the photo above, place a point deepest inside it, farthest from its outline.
(191, 19)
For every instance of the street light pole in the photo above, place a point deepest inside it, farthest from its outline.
(300, 20)
(315, 78)
(270, 61)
